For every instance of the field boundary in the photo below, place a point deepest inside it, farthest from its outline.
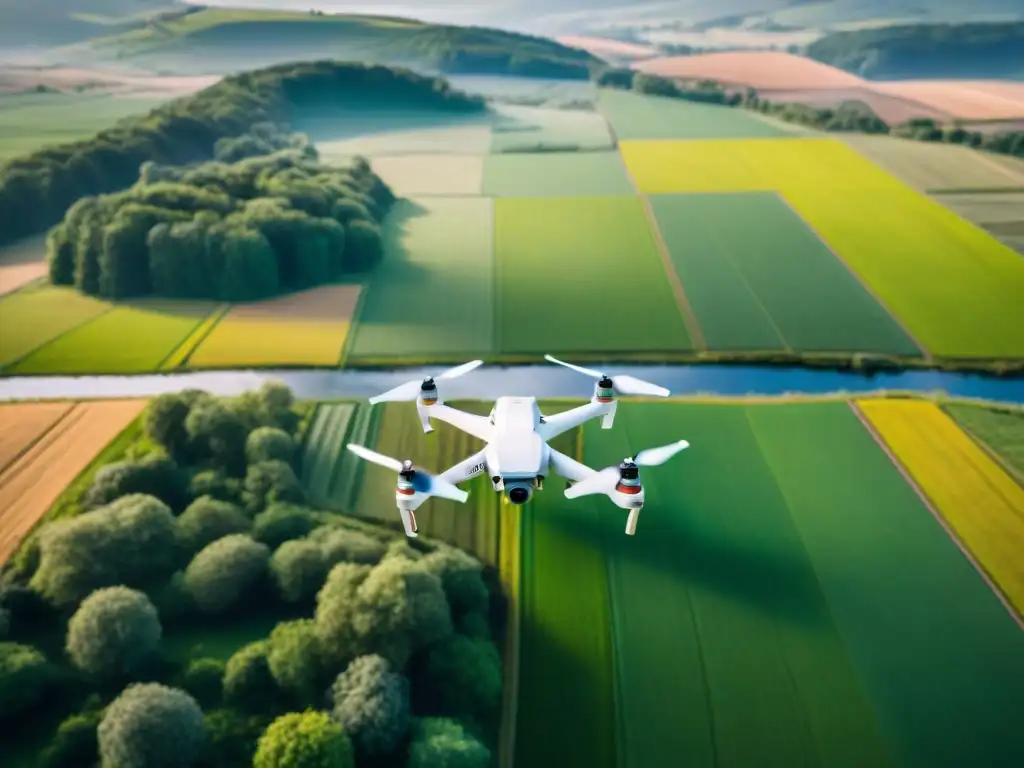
(6, 367)
(353, 326)
(181, 354)
(908, 478)
(38, 438)
(1011, 471)
(860, 280)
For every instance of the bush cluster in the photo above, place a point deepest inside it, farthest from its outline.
(37, 189)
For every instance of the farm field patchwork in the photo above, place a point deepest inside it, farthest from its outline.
(35, 315)
(582, 274)
(411, 175)
(757, 278)
(394, 133)
(777, 615)
(927, 166)
(634, 116)
(31, 484)
(1001, 214)
(526, 129)
(433, 295)
(555, 174)
(133, 338)
(981, 503)
(23, 424)
(299, 329)
(1000, 431)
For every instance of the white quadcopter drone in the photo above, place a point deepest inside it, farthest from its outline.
(517, 456)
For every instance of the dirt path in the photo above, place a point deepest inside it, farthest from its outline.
(34, 481)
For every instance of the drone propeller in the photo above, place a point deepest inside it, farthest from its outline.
(606, 479)
(422, 481)
(624, 385)
(408, 392)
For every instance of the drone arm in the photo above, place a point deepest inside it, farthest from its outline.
(553, 426)
(465, 469)
(477, 426)
(569, 468)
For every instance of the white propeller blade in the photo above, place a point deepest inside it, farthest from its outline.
(377, 458)
(603, 482)
(407, 392)
(652, 457)
(624, 385)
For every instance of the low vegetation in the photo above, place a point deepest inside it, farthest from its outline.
(245, 226)
(36, 190)
(206, 529)
(851, 116)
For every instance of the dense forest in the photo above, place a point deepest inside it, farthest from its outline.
(981, 50)
(382, 654)
(264, 217)
(37, 190)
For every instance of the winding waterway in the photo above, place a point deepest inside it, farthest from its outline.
(489, 382)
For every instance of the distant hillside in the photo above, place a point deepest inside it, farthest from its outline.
(224, 40)
(57, 22)
(926, 51)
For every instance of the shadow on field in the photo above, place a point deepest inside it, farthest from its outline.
(395, 231)
(690, 555)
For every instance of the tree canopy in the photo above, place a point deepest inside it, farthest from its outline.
(304, 740)
(114, 632)
(151, 726)
(37, 189)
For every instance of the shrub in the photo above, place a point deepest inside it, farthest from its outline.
(75, 743)
(440, 742)
(248, 683)
(341, 545)
(154, 475)
(371, 701)
(461, 678)
(164, 421)
(295, 661)
(151, 726)
(462, 578)
(25, 675)
(282, 522)
(113, 633)
(224, 571)
(307, 740)
(269, 444)
(392, 609)
(217, 433)
(404, 550)
(216, 485)
(130, 541)
(231, 738)
(269, 483)
(299, 569)
(204, 681)
(205, 520)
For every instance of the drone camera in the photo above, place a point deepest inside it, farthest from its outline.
(519, 492)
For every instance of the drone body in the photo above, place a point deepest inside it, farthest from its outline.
(516, 456)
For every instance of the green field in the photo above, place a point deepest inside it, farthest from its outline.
(634, 116)
(127, 339)
(787, 600)
(327, 433)
(1002, 432)
(37, 314)
(757, 278)
(556, 174)
(532, 129)
(582, 274)
(434, 292)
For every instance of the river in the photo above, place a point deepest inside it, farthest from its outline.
(489, 382)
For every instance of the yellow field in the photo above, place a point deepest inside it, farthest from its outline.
(750, 165)
(237, 343)
(981, 503)
(180, 356)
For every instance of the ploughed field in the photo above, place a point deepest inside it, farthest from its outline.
(648, 229)
(810, 583)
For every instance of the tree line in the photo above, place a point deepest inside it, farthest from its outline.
(383, 654)
(36, 190)
(264, 217)
(851, 116)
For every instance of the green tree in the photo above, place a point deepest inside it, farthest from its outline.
(299, 569)
(442, 743)
(296, 661)
(75, 744)
(217, 433)
(204, 681)
(231, 738)
(371, 701)
(114, 632)
(304, 740)
(461, 678)
(154, 475)
(206, 520)
(25, 676)
(270, 444)
(224, 571)
(462, 577)
(271, 482)
(282, 522)
(248, 684)
(151, 726)
(342, 545)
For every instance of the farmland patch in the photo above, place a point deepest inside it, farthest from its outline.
(21, 263)
(32, 483)
(1001, 214)
(1000, 431)
(981, 503)
(303, 328)
(757, 278)
(582, 274)
(23, 424)
(411, 175)
(434, 292)
(135, 338)
(324, 446)
(555, 174)
(535, 129)
(394, 133)
(37, 314)
(634, 116)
